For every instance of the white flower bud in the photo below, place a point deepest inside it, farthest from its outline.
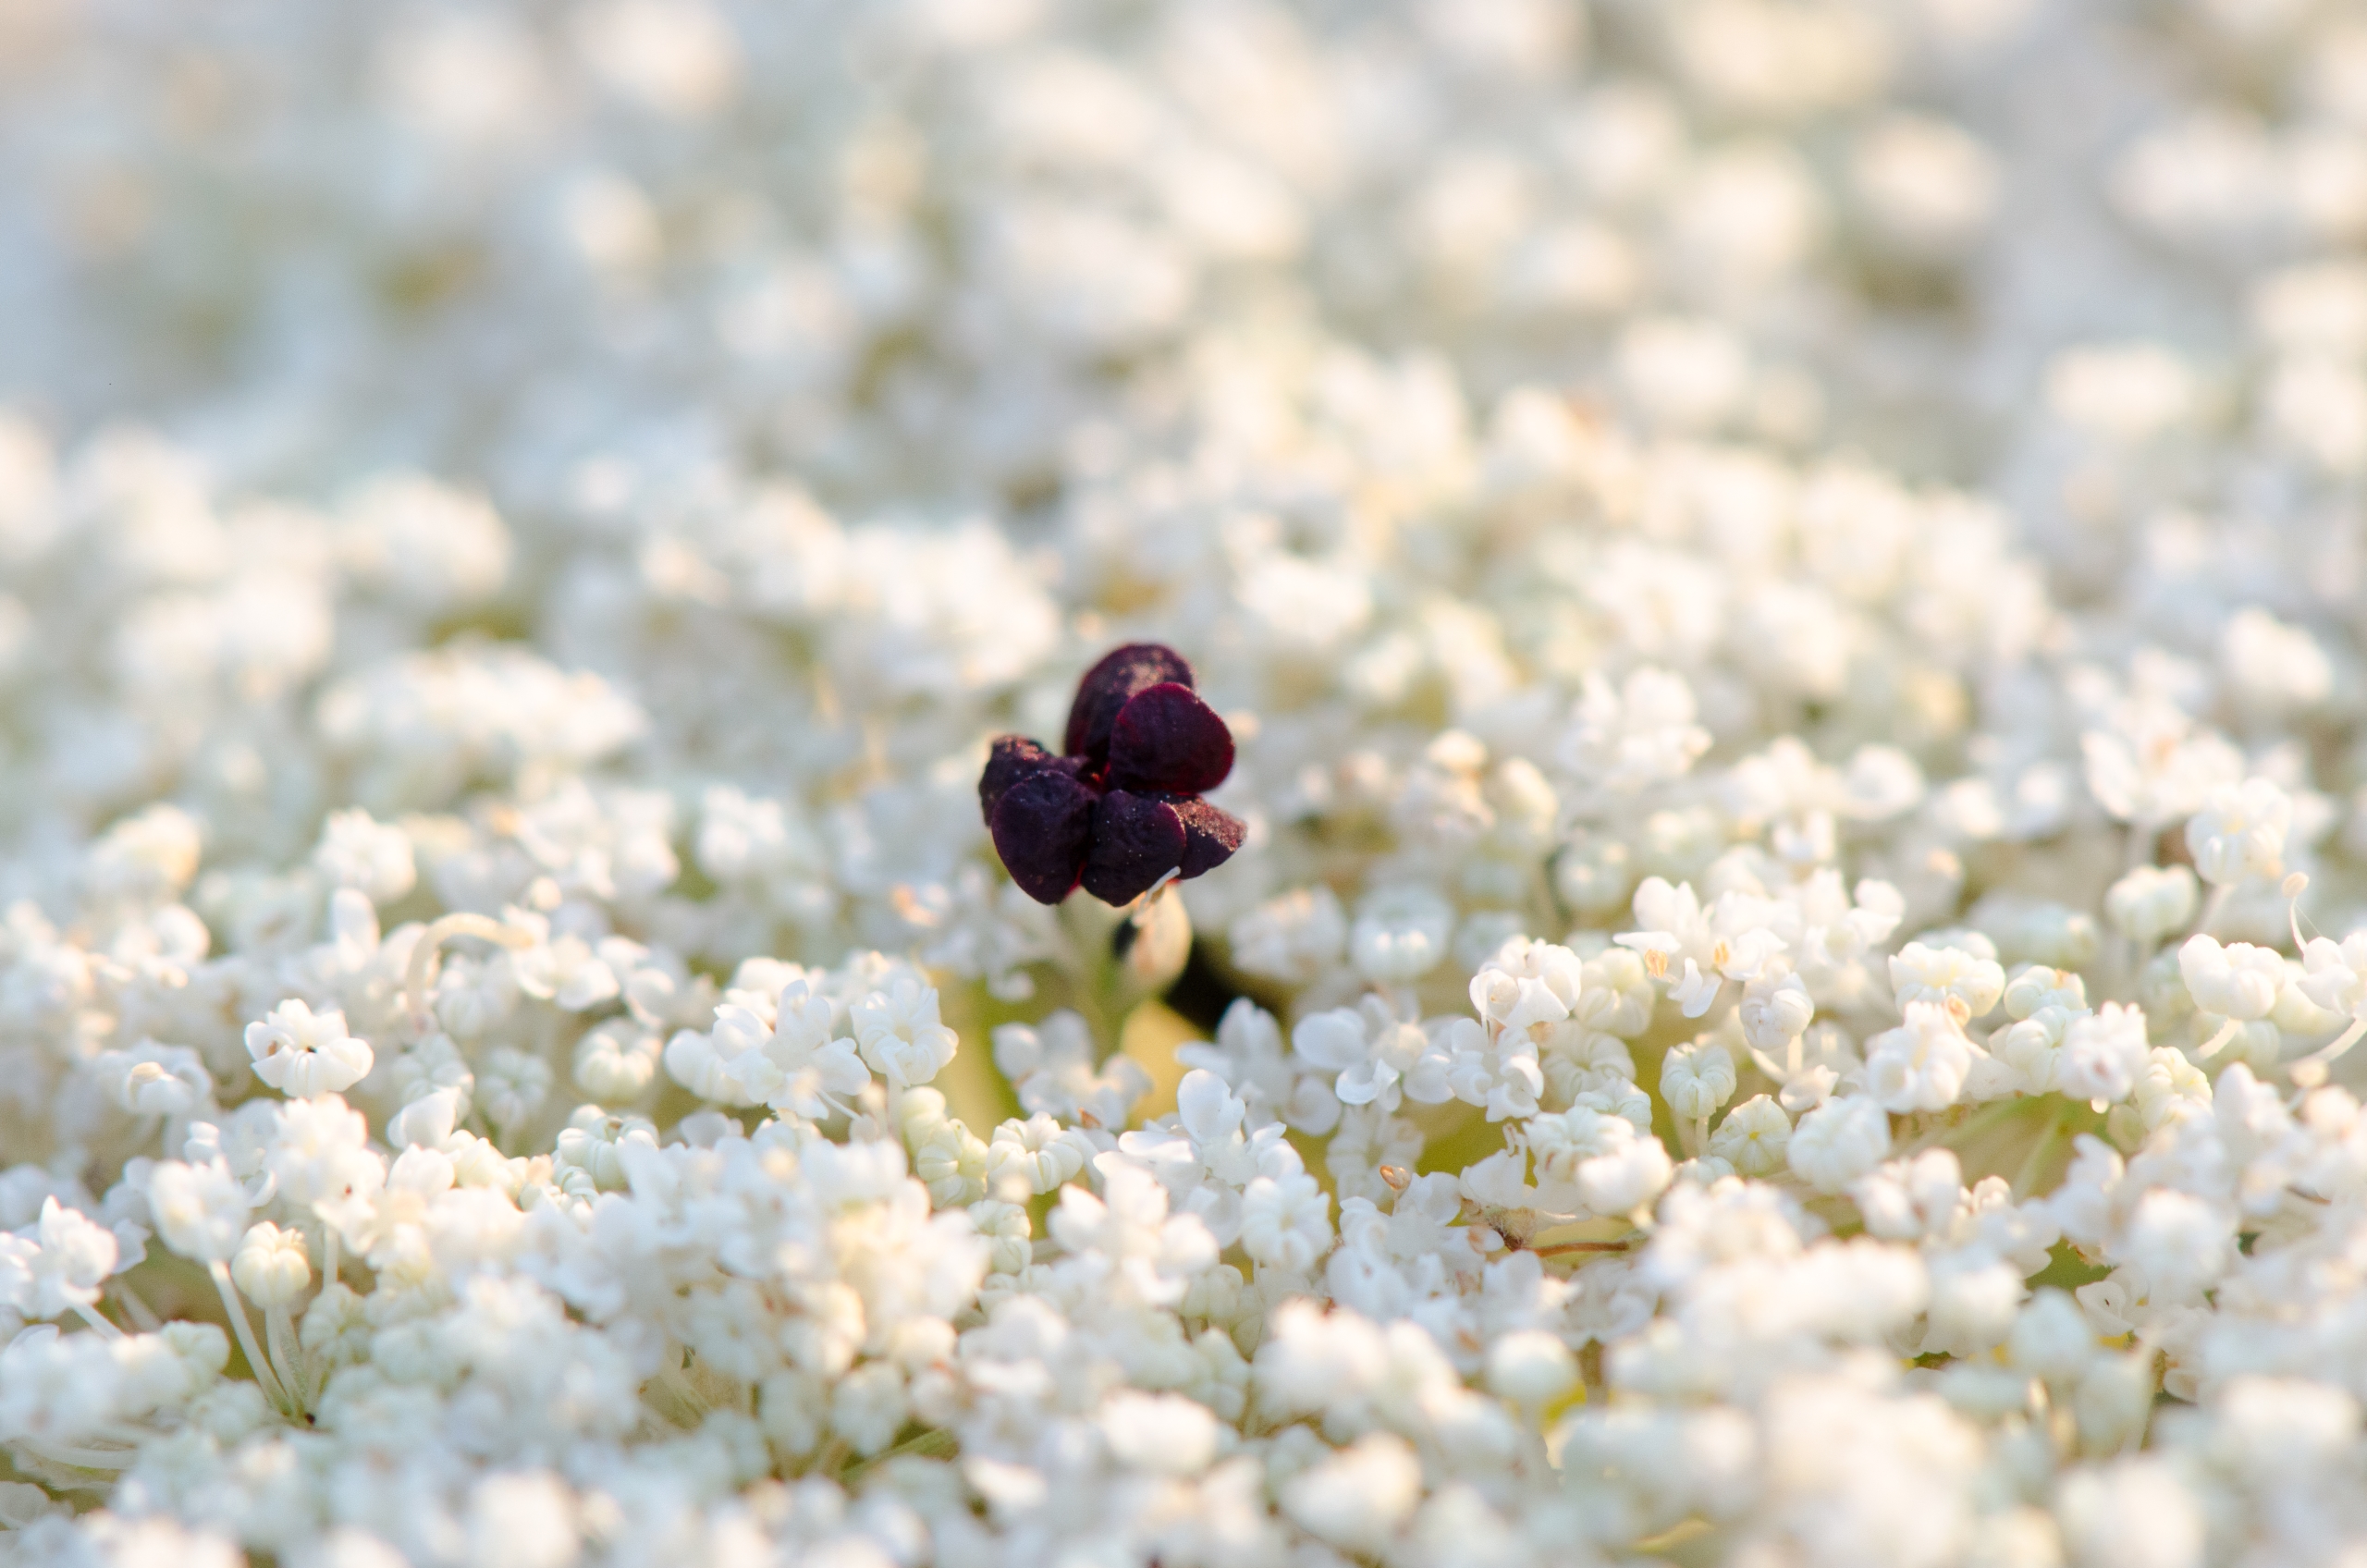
(2182, 1242)
(2037, 985)
(272, 1266)
(1164, 1434)
(1775, 1012)
(200, 1210)
(868, 1405)
(2334, 976)
(1922, 1065)
(1007, 1232)
(1291, 937)
(1838, 1142)
(1753, 1137)
(201, 1348)
(1634, 1171)
(591, 1141)
(1697, 1078)
(2170, 1088)
(2102, 1054)
(899, 1035)
(1038, 1151)
(156, 1080)
(153, 854)
(2240, 832)
(954, 1163)
(2114, 1401)
(1531, 1368)
(2134, 1511)
(792, 1408)
(357, 850)
(2151, 902)
(1971, 1308)
(1401, 934)
(2050, 1339)
(1594, 875)
(1357, 1498)
(2276, 670)
(522, 1519)
(693, 1062)
(1919, 973)
(615, 1062)
(2238, 981)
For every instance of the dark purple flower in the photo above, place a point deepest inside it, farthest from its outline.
(1109, 685)
(1210, 835)
(1043, 827)
(1165, 737)
(1136, 840)
(1122, 808)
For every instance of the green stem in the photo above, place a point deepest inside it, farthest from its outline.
(78, 1457)
(2035, 1163)
(1559, 1248)
(138, 1310)
(89, 1315)
(257, 1362)
(286, 1359)
(828, 1463)
(935, 1443)
(1995, 1114)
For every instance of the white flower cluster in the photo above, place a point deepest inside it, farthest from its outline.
(1786, 577)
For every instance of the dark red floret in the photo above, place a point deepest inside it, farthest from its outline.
(1012, 759)
(1136, 840)
(1043, 828)
(1108, 686)
(1165, 739)
(1121, 809)
(1210, 835)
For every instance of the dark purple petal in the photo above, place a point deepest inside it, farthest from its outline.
(1107, 685)
(1012, 759)
(1166, 738)
(1209, 836)
(1042, 828)
(1136, 840)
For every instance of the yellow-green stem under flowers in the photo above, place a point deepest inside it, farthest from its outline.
(77, 1457)
(287, 1358)
(267, 1377)
(1957, 1134)
(1102, 984)
(2042, 1150)
(1560, 1249)
(831, 1460)
(2019, 1137)
(935, 1442)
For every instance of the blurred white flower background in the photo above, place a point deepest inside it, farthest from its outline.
(1790, 582)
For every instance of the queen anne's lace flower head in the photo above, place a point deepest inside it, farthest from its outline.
(1766, 1002)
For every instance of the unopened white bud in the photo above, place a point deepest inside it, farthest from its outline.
(1776, 1012)
(1531, 1368)
(272, 1267)
(2151, 902)
(1697, 1078)
(2241, 831)
(2052, 1339)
